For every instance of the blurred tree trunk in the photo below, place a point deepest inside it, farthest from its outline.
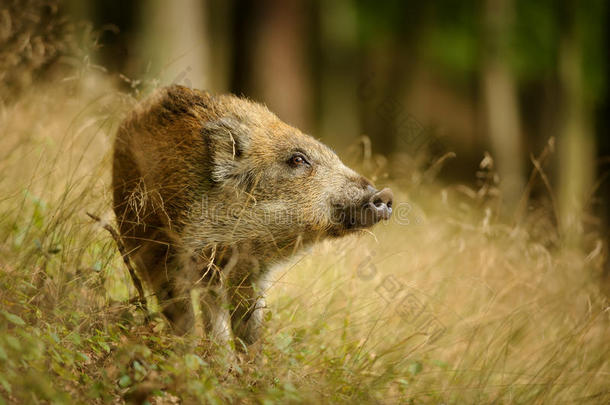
(501, 101)
(173, 42)
(383, 88)
(337, 101)
(279, 73)
(242, 15)
(604, 148)
(80, 10)
(389, 57)
(221, 52)
(576, 142)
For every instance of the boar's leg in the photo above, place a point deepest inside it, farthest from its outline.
(156, 261)
(216, 317)
(172, 290)
(247, 305)
(213, 301)
(151, 248)
(176, 305)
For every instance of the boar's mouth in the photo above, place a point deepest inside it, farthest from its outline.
(364, 214)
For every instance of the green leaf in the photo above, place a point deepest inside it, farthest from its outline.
(13, 318)
(193, 362)
(402, 381)
(5, 384)
(13, 342)
(415, 368)
(104, 346)
(3, 355)
(440, 363)
(83, 357)
(124, 381)
(139, 367)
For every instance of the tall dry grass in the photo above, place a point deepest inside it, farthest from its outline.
(447, 305)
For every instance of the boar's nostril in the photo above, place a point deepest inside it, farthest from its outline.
(384, 196)
(377, 207)
(382, 204)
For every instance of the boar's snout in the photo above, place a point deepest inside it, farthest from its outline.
(377, 208)
(374, 206)
(380, 205)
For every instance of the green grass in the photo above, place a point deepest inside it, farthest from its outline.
(454, 306)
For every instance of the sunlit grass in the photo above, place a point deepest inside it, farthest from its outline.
(449, 305)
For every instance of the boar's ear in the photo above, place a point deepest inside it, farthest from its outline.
(228, 139)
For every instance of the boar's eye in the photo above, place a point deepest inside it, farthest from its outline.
(297, 160)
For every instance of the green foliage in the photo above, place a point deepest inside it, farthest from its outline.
(535, 38)
(592, 22)
(452, 41)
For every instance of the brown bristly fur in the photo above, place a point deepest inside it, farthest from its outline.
(205, 197)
